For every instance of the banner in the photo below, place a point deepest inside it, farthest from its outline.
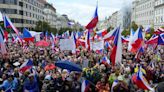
(67, 44)
(97, 45)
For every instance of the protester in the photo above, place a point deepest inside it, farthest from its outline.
(41, 74)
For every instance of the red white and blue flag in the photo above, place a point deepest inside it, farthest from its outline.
(107, 45)
(94, 20)
(161, 39)
(105, 60)
(110, 35)
(85, 86)
(159, 31)
(2, 45)
(102, 33)
(141, 81)
(9, 24)
(87, 40)
(116, 55)
(136, 41)
(153, 39)
(139, 53)
(26, 65)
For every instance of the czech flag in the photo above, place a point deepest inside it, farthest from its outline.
(87, 40)
(80, 42)
(26, 66)
(27, 35)
(85, 86)
(105, 60)
(161, 39)
(153, 40)
(116, 55)
(136, 41)
(130, 39)
(147, 30)
(140, 51)
(159, 31)
(110, 35)
(94, 21)
(9, 24)
(141, 81)
(107, 45)
(124, 40)
(102, 33)
(2, 45)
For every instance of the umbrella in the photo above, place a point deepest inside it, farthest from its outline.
(49, 67)
(68, 65)
(42, 43)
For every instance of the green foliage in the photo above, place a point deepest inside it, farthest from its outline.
(162, 27)
(134, 26)
(42, 26)
(126, 32)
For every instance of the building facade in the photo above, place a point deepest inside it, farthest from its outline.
(113, 19)
(23, 13)
(143, 12)
(51, 16)
(159, 13)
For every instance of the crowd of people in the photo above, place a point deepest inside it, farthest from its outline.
(100, 76)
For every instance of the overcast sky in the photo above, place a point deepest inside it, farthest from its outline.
(83, 10)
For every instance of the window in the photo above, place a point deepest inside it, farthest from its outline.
(21, 4)
(8, 1)
(21, 12)
(26, 6)
(9, 11)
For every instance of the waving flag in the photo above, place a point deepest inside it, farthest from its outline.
(159, 31)
(130, 39)
(9, 24)
(141, 81)
(102, 33)
(156, 39)
(27, 35)
(148, 29)
(161, 39)
(124, 40)
(87, 40)
(116, 55)
(26, 65)
(2, 45)
(140, 51)
(110, 35)
(114, 84)
(85, 86)
(136, 41)
(107, 45)
(105, 60)
(94, 21)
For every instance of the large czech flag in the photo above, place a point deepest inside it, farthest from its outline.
(27, 35)
(26, 66)
(94, 21)
(136, 41)
(9, 24)
(141, 81)
(116, 54)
